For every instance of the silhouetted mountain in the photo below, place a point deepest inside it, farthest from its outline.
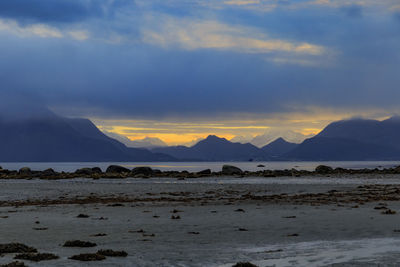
(278, 147)
(355, 139)
(53, 138)
(147, 142)
(214, 148)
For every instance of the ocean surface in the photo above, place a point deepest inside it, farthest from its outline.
(198, 166)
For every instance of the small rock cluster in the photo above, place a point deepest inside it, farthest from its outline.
(24, 252)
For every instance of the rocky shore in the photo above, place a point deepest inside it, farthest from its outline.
(211, 221)
(120, 172)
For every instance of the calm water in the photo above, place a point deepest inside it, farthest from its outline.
(198, 166)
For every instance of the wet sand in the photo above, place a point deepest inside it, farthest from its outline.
(312, 221)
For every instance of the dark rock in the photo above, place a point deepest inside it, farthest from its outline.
(49, 172)
(205, 172)
(231, 170)
(36, 256)
(79, 243)
(175, 211)
(112, 253)
(84, 171)
(389, 212)
(96, 170)
(193, 233)
(15, 248)
(116, 205)
(260, 166)
(142, 171)
(244, 264)
(82, 216)
(25, 171)
(99, 234)
(14, 264)
(293, 235)
(240, 210)
(88, 257)
(323, 169)
(396, 169)
(116, 169)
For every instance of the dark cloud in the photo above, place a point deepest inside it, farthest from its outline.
(137, 80)
(59, 11)
(353, 11)
(397, 16)
(21, 104)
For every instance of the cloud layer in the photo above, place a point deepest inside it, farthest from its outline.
(155, 60)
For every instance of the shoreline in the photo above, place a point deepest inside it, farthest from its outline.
(202, 224)
(120, 172)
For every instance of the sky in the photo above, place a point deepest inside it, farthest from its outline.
(182, 69)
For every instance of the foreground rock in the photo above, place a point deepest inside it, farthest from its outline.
(16, 248)
(14, 264)
(145, 171)
(88, 257)
(79, 243)
(25, 171)
(88, 171)
(231, 170)
(36, 256)
(112, 253)
(322, 169)
(116, 169)
(244, 264)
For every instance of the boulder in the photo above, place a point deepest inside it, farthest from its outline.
(116, 169)
(79, 244)
(147, 171)
(96, 170)
(88, 257)
(25, 171)
(15, 248)
(49, 172)
(204, 172)
(231, 170)
(323, 169)
(84, 171)
(112, 253)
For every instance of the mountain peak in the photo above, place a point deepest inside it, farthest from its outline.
(278, 147)
(395, 118)
(280, 140)
(215, 138)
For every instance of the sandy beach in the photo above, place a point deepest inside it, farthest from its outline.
(285, 221)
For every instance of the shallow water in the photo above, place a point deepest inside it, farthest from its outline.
(322, 253)
(198, 166)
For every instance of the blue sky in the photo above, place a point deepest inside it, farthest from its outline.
(235, 63)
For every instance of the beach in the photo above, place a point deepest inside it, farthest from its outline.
(285, 221)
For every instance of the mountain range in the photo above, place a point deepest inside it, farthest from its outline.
(147, 142)
(271, 135)
(214, 148)
(39, 135)
(355, 139)
(45, 137)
